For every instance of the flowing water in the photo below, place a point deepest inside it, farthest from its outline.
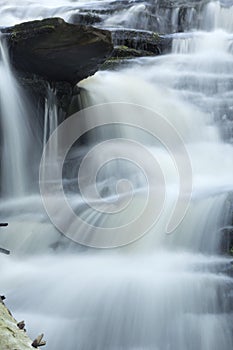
(14, 181)
(163, 292)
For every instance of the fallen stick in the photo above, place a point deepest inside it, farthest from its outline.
(4, 251)
(38, 341)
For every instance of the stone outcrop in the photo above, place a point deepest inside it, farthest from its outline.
(53, 52)
(56, 50)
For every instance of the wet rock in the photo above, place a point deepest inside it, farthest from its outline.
(127, 52)
(159, 16)
(115, 63)
(132, 44)
(56, 50)
(110, 8)
(121, 56)
(227, 229)
(88, 18)
(36, 87)
(142, 40)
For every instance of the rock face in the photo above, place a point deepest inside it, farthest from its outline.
(11, 337)
(36, 88)
(160, 16)
(130, 44)
(149, 42)
(87, 18)
(227, 230)
(56, 50)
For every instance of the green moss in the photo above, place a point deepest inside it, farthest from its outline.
(111, 63)
(155, 36)
(127, 52)
(18, 33)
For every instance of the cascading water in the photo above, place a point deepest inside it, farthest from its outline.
(164, 291)
(14, 179)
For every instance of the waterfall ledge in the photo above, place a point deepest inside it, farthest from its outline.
(56, 50)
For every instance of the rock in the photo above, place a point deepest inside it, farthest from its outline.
(158, 16)
(173, 16)
(11, 337)
(56, 50)
(36, 87)
(141, 40)
(88, 18)
(115, 63)
(107, 8)
(127, 52)
(121, 56)
(21, 325)
(37, 90)
(226, 230)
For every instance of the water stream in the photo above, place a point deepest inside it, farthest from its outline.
(163, 292)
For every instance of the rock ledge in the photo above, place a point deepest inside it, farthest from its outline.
(56, 50)
(11, 337)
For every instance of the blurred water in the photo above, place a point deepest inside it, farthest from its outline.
(164, 291)
(14, 179)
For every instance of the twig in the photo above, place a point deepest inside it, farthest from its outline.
(38, 341)
(4, 251)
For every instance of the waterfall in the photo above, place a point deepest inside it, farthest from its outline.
(51, 115)
(164, 291)
(15, 129)
(216, 15)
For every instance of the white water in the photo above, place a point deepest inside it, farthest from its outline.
(163, 292)
(206, 16)
(218, 16)
(14, 179)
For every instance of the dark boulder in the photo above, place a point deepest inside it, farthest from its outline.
(56, 50)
